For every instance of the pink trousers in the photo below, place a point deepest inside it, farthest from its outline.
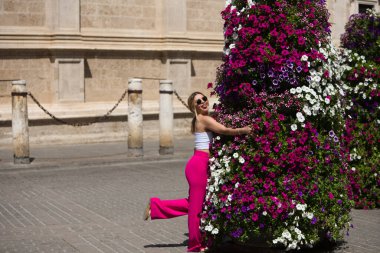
(196, 175)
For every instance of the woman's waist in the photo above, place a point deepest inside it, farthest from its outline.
(202, 152)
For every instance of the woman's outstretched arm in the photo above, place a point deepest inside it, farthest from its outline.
(211, 124)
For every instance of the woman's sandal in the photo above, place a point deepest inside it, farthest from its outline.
(147, 212)
(204, 249)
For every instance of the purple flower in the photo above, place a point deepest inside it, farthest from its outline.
(237, 233)
(299, 69)
(314, 220)
(275, 82)
(336, 139)
(254, 82)
(331, 133)
(292, 80)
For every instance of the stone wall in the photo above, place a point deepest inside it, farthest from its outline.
(107, 74)
(22, 13)
(204, 70)
(201, 15)
(118, 14)
(32, 66)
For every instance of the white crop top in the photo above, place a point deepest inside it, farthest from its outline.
(202, 140)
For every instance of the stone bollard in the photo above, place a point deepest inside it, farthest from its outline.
(166, 117)
(135, 118)
(20, 130)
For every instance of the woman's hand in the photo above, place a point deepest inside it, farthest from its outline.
(245, 130)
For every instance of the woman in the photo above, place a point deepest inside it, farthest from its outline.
(196, 172)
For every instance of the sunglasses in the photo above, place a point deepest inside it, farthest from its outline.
(199, 101)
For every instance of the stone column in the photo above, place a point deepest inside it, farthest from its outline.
(135, 118)
(20, 129)
(166, 117)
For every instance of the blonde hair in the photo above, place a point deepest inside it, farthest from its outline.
(190, 103)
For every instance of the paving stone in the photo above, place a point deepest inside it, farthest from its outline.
(96, 206)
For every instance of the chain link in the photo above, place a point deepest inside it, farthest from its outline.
(180, 99)
(96, 120)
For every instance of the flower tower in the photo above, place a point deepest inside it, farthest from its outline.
(287, 181)
(362, 135)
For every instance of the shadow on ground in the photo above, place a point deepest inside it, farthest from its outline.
(231, 247)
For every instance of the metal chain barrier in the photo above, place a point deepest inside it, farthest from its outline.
(96, 120)
(180, 99)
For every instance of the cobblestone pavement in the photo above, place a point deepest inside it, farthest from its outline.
(98, 208)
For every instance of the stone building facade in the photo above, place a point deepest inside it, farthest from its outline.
(77, 57)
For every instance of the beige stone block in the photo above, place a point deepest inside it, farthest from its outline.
(30, 19)
(149, 12)
(37, 7)
(8, 19)
(145, 2)
(86, 21)
(18, 6)
(88, 9)
(131, 11)
(9, 5)
(107, 10)
(146, 24)
(92, 22)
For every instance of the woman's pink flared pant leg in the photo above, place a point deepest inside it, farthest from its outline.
(196, 175)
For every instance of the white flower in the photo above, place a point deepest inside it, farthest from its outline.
(327, 100)
(293, 91)
(217, 137)
(235, 155)
(237, 185)
(232, 46)
(317, 79)
(241, 160)
(209, 227)
(250, 3)
(299, 89)
(293, 127)
(353, 168)
(300, 117)
(265, 213)
(309, 216)
(301, 207)
(286, 234)
(306, 109)
(215, 231)
(304, 57)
